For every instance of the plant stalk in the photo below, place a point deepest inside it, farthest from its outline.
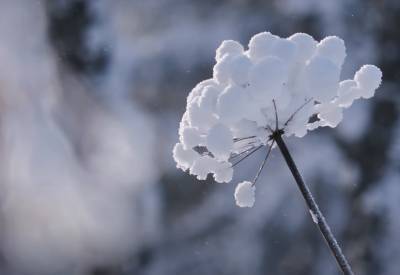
(316, 214)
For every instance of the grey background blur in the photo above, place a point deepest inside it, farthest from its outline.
(91, 94)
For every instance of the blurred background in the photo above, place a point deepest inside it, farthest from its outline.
(91, 95)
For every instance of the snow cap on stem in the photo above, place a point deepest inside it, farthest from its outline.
(245, 194)
(233, 113)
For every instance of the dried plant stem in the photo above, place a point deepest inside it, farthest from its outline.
(317, 215)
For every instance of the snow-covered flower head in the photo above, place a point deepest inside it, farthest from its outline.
(235, 112)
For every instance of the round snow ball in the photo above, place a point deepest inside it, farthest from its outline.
(347, 93)
(285, 49)
(345, 87)
(261, 44)
(232, 99)
(333, 48)
(208, 98)
(222, 70)
(322, 77)
(228, 47)
(184, 158)
(245, 194)
(330, 113)
(223, 172)
(220, 141)
(200, 118)
(368, 77)
(267, 77)
(240, 67)
(306, 45)
(197, 90)
(190, 137)
(202, 166)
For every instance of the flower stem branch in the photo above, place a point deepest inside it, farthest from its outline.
(317, 215)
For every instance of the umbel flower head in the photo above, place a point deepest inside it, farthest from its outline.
(233, 114)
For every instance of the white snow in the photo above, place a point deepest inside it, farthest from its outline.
(347, 93)
(330, 114)
(190, 137)
(208, 98)
(202, 166)
(305, 46)
(230, 100)
(333, 48)
(223, 172)
(220, 141)
(245, 194)
(233, 111)
(184, 157)
(261, 45)
(228, 47)
(267, 78)
(239, 71)
(368, 79)
(322, 76)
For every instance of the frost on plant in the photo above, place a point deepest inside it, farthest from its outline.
(233, 113)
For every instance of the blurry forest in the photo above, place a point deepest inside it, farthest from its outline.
(91, 95)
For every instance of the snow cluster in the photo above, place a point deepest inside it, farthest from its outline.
(245, 194)
(234, 111)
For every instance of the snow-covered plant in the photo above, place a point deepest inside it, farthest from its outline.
(233, 113)
(277, 87)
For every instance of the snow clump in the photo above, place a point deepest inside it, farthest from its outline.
(245, 194)
(234, 112)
